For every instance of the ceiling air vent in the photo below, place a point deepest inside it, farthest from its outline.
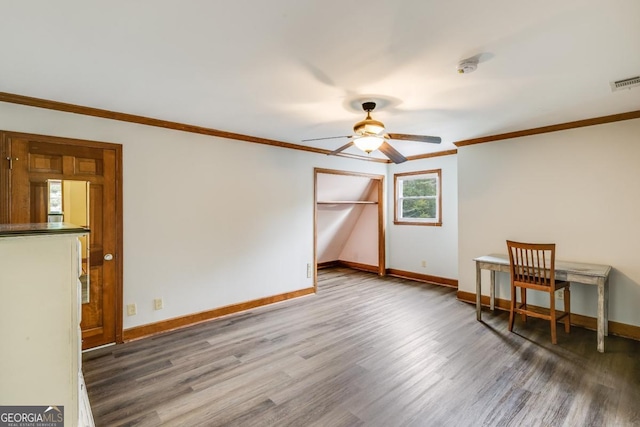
(625, 84)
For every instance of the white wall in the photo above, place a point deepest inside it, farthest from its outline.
(334, 225)
(362, 243)
(208, 221)
(577, 188)
(409, 245)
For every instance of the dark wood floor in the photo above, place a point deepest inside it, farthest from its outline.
(366, 351)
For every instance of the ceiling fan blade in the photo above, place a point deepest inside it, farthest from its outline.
(344, 147)
(328, 137)
(419, 138)
(393, 154)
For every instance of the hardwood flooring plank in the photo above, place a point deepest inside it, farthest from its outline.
(137, 420)
(338, 418)
(222, 396)
(241, 416)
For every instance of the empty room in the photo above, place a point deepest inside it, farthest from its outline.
(412, 213)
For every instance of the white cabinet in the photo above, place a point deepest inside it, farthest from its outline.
(40, 363)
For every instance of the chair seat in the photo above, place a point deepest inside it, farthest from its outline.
(542, 284)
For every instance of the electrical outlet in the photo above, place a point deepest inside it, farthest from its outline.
(132, 310)
(158, 304)
(423, 263)
(560, 294)
(309, 271)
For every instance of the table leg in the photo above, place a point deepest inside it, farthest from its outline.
(606, 307)
(492, 301)
(601, 316)
(478, 290)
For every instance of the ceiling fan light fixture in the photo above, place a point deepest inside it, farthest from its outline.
(368, 127)
(370, 135)
(368, 143)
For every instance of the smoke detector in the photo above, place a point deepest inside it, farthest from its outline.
(467, 66)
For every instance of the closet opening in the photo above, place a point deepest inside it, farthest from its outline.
(349, 221)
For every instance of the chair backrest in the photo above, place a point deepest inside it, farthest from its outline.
(532, 263)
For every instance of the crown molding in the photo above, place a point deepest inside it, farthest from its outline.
(552, 128)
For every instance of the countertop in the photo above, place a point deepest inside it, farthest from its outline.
(12, 230)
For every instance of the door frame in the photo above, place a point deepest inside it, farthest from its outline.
(382, 270)
(5, 199)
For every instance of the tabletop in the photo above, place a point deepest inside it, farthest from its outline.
(585, 269)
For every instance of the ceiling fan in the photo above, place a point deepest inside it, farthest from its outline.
(370, 135)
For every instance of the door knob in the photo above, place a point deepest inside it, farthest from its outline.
(108, 257)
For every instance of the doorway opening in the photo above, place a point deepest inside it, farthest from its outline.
(349, 221)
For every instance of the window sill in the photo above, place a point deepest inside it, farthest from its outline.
(432, 224)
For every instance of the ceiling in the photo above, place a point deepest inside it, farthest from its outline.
(290, 70)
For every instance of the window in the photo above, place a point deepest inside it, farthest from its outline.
(418, 199)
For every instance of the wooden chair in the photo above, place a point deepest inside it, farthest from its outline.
(532, 266)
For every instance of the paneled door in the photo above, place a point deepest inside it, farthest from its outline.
(35, 159)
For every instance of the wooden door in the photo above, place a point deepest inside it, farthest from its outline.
(34, 160)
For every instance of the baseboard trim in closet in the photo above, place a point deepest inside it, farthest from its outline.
(328, 264)
(192, 319)
(358, 266)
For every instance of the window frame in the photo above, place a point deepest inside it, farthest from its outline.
(397, 199)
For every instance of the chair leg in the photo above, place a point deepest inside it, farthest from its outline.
(552, 312)
(512, 308)
(567, 309)
(523, 302)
